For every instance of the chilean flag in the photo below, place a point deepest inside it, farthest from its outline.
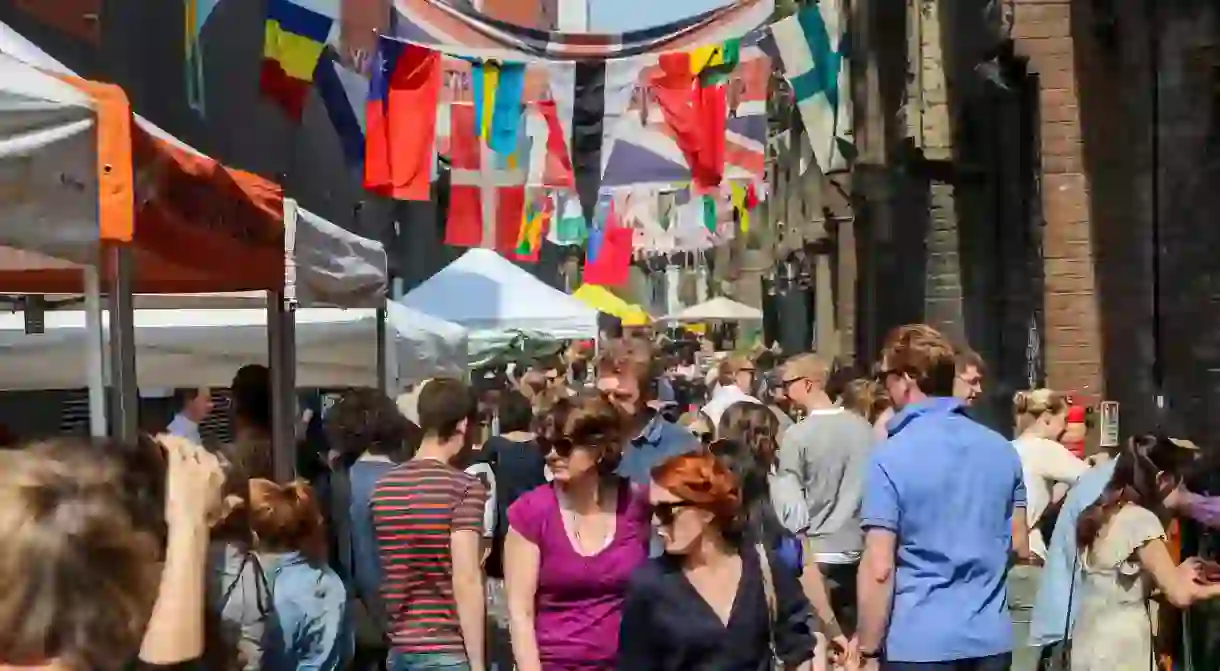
(400, 120)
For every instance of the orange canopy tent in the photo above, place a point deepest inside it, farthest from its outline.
(79, 171)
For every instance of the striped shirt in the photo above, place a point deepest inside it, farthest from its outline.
(415, 508)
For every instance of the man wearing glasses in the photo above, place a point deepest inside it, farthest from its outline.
(968, 385)
(828, 452)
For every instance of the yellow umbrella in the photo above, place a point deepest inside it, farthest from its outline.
(636, 316)
(602, 300)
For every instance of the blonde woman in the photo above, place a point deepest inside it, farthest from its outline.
(1041, 418)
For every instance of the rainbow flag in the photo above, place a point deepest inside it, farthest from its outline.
(534, 223)
(293, 42)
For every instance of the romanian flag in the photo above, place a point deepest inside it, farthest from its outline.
(537, 217)
(498, 90)
(293, 42)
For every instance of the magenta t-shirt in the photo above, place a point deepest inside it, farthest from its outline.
(579, 601)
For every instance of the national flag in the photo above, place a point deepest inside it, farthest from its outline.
(738, 195)
(709, 212)
(292, 44)
(498, 90)
(460, 29)
(196, 14)
(345, 96)
(608, 263)
(549, 163)
(713, 63)
(537, 218)
(486, 203)
(696, 112)
(590, 99)
(401, 121)
(646, 149)
(570, 227)
(810, 47)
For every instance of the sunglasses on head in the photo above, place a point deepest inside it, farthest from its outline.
(667, 511)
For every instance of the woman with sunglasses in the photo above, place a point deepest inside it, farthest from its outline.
(714, 601)
(573, 544)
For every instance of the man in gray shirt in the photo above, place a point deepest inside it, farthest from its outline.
(828, 452)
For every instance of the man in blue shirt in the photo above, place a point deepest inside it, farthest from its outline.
(943, 509)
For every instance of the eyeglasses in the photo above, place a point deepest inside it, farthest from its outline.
(784, 384)
(667, 511)
(882, 374)
(704, 437)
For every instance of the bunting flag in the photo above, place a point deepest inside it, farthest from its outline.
(810, 45)
(647, 149)
(460, 29)
(709, 212)
(498, 89)
(537, 218)
(696, 112)
(486, 203)
(741, 206)
(292, 44)
(570, 227)
(590, 99)
(549, 163)
(196, 13)
(400, 120)
(608, 262)
(345, 96)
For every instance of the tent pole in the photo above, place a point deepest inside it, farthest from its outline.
(282, 360)
(94, 352)
(122, 332)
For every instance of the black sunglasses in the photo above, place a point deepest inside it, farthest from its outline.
(561, 446)
(704, 437)
(784, 384)
(667, 511)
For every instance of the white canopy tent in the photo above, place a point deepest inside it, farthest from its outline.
(191, 348)
(489, 295)
(717, 309)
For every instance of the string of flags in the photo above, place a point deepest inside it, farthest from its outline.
(639, 143)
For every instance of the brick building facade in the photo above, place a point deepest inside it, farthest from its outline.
(1040, 179)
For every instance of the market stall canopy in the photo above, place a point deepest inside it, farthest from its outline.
(79, 170)
(717, 309)
(191, 348)
(487, 294)
(602, 299)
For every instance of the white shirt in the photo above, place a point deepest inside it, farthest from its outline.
(1043, 464)
(722, 398)
(183, 427)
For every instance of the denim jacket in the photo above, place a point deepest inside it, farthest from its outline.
(310, 629)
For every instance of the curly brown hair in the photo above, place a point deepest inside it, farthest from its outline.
(588, 421)
(366, 420)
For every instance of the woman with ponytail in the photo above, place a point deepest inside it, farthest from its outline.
(1124, 556)
(308, 626)
(715, 599)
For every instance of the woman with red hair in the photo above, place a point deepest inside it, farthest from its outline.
(710, 602)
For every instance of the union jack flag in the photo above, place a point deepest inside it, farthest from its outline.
(463, 31)
(644, 148)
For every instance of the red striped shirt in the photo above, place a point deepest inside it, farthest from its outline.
(416, 507)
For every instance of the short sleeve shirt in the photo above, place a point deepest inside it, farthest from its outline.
(416, 507)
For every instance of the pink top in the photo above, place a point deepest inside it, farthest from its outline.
(579, 601)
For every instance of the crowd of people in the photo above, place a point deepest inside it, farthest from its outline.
(593, 513)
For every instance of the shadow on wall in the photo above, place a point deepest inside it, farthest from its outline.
(1148, 75)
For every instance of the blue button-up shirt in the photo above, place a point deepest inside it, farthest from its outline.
(658, 441)
(311, 630)
(948, 488)
(1051, 617)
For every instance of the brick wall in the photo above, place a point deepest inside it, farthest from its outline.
(1072, 338)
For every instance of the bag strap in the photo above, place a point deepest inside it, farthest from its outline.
(1067, 619)
(768, 582)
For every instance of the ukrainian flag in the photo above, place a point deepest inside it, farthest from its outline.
(292, 45)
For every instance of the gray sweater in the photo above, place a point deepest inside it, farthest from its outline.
(828, 453)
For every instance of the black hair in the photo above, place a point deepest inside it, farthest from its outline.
(515, 411)
(366, 420)
(251, 390)
(760, 524)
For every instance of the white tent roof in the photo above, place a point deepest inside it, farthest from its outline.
(187, 348)
(47, 142)
(720, 308)
(483, 291)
